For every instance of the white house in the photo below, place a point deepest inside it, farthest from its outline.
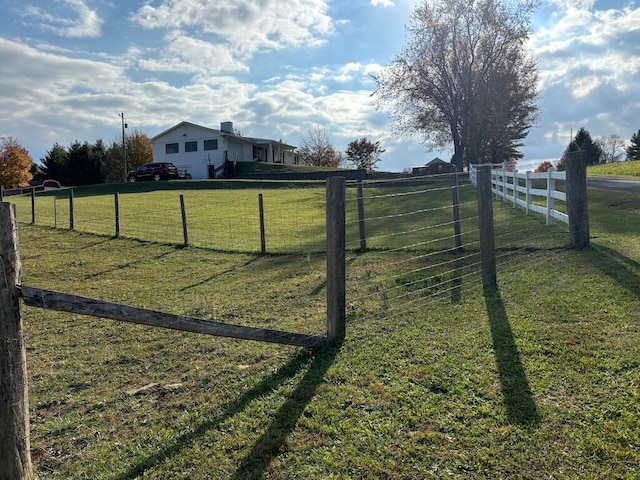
(202, 151)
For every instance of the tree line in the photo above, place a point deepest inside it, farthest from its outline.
(601, 150)
(94, 163)
(81, 163)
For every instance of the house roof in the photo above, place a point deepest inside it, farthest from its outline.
(188, 124)
(267, 140)
(435, 161)
(224, 134)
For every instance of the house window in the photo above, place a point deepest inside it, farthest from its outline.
(171, 148)
(191, 146)
(211, 144)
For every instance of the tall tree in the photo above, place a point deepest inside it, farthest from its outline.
(139, 149)
(572, 150)
(55, 164)
(612, 148)
(633, 150)
(464, 79)
(592, 150)
(316, 149)
(114, 170)
(15, 164)
(85, 165)
(363, 153)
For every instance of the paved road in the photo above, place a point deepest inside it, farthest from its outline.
(613, 183)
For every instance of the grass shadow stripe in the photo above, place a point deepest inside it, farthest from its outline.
(518, 398)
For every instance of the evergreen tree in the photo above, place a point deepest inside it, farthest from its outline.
(85, 163)
(592, 150)
(55, 165)
(633, 150)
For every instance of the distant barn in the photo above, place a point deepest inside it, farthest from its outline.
(434, 167)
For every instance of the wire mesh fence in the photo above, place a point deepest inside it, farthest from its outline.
(415, 249)
(413, 259)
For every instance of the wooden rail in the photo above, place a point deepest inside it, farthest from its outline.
(48, 299)
(517, 188)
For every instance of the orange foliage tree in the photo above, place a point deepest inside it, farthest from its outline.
(15, 163)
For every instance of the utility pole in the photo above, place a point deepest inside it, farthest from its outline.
(124, 146)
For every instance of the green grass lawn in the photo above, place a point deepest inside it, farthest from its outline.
(538, 378)
(618, 169)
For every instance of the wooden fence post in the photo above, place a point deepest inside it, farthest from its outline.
(455, 201)
(117, 207)
(15, 459)
(33, 206)
(485, 220)
(336, 271)
(263, 236)
(71, 209)
(361, 222)
(577, 205)
(183, 211)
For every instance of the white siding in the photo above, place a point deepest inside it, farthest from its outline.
(196, 163)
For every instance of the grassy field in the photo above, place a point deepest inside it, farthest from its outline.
(618, 169)
(538, 378)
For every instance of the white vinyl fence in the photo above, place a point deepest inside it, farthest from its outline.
(535, 192)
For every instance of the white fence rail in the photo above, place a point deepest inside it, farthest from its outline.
(524, 190)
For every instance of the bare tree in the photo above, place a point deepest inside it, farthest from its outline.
(613, 148)
(464, 79)
(316, 149)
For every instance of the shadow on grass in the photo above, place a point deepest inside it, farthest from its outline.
(284, 422)
(271, 443)
(620, 268)
(221, 273)
(518, 399)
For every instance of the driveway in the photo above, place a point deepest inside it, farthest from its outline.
(615, 183)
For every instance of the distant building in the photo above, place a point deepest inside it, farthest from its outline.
(434, 167)
(202, 151)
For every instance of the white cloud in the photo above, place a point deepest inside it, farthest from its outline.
(245, 26)
(75, 20)
(382, 3)
(185, 54)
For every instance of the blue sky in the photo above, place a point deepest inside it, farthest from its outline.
(278, 68)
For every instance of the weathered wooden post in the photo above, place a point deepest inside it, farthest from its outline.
(577, 204)
(117, 207)
(485, 220)
(183, 211)
(361, 221)
(336, 271)
(455, 201)
(263, 236)
(15, 459)
(71, 209)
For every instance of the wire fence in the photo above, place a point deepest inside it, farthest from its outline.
(414, 261)
(415, 249)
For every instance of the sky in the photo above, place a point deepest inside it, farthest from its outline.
(279, 68)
